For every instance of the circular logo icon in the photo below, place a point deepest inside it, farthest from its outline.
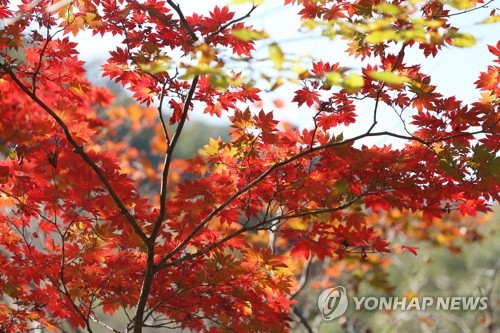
(332, 303)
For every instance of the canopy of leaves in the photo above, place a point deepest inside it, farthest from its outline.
(95, 219)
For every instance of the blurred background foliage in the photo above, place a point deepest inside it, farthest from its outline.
(468, 268)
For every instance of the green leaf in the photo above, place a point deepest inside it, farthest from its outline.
(492, 19)
(417, 35)
(220, 81)
(12, 155)
(462, 4)
(353, 83)
(276, 55)
(379, 36)
(342, 187)
(388, 9)
(463, 40)
(159, 65)
(493, 168)
(247, 35)
(388, 77)
(332, 78)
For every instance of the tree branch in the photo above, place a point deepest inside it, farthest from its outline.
(302, 154)
(184, 22)
(95, 320)
(377, 97)
(168, 158)
(303, 278)
(465, 11)
(162, 264)
(230, 23)
(303, 320)
(173, 141)
(78, 149)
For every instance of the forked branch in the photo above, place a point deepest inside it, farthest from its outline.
(78, 149)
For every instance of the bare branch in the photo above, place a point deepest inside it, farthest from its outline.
(303, 320)
(160, 114)
(95, 320)
(382, 86)
(465, 11)
(168, 158)
(304, 278)
(184, 22)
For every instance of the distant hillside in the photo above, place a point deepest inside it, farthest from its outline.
(195, 135)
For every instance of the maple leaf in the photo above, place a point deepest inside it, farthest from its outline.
(327, 121)
(301, 249)
(495, 50)
(489, 80)
(111, 307)
(4, 174)
(98, 212)
(411, 249)
(306, 96)
(221, 15)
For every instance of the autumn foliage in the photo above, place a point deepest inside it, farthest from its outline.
(90, 224)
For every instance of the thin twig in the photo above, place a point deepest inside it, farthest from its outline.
(162, 264)
(295, 157)
(304, 278)
(78, 149)
(379, 92)
(465, 11)
(168, 157)
(230, 23)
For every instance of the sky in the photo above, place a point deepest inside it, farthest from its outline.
(454, 70)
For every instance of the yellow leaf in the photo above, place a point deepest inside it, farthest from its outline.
(279, 82)
(437, 148)
(74, 24)
(463, 40)
(205, 54)
(462, 4)
(492, 19)
(212, 148)
(4, 309)
(388, 77)
(159, 65)
(410, 295)
(247, 35)
(379, 36)
(247, 308)
(333, 78)
(353, 83)
(388, 9)
(276, 55)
